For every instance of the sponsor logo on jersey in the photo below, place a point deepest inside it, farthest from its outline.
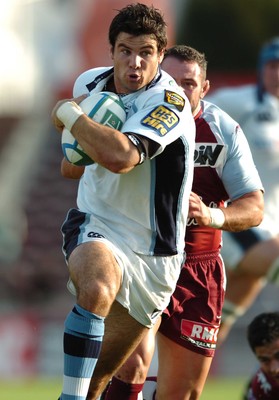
(175, 99)
(201, 335)
(207, 154)
(161, 119)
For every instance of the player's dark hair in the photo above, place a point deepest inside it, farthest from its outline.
(139, 19)
(263, 329)
(187, 53)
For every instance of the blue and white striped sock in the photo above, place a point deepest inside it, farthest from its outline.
(83, 337)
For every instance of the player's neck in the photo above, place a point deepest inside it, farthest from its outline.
(109, 86)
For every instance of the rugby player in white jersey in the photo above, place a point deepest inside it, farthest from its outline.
(224, 170)
(124, 243)
(252, 257)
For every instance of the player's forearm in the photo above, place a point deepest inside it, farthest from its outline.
(244, 212)
(103, 144)
(106, 146)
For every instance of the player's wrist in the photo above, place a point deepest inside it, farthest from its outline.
(68, 113)
(217, 218)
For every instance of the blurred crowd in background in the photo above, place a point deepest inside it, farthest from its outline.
(44, 45)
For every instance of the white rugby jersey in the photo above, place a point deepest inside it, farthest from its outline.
(148, 206)
(260, 123)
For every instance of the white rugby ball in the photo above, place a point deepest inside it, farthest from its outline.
(106, 108)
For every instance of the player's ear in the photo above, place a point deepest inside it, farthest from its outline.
(161, 56)
(205, 88)
(111, 52)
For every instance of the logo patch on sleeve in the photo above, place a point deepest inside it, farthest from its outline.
(161, 119)
(175, 99)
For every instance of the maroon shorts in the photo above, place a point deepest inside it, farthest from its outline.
(193, 316)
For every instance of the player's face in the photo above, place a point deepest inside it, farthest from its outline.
(271, 77)
(189, 76)
(136, 60)
(268, 357)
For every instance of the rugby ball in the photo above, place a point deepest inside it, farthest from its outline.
(106, 108)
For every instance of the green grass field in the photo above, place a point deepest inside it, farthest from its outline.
(50, 389)
(30, 389)
(220, 389)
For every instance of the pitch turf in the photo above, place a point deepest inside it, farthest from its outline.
(49, 389)
(224, 388)
(30, 389)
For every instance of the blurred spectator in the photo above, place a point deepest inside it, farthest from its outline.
(252, 257)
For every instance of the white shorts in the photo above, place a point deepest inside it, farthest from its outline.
(147, 281)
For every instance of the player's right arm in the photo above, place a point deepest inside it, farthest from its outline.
(241, 214)
(104, 144)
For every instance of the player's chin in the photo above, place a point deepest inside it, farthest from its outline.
(135, 83)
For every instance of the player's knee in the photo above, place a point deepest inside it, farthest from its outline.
(95, 295)
(134, 370)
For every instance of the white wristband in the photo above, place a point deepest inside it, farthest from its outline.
(68, 113)
(217, 218)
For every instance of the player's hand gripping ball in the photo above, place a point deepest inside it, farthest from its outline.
(106, 108)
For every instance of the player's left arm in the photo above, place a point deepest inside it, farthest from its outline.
(241, 214)
(71, 171)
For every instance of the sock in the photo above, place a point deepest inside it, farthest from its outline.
(83, 337)
(121, 390)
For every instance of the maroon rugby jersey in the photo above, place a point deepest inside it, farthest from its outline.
(208, 185)
(262, 387)
(223, 170)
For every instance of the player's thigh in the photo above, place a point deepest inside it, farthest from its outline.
(182, 373)
(94, 270)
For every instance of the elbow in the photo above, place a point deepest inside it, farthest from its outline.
(258, 214)
(258, 210)
(118, 168)
(70, 171)
(259, 217)
(118, 165)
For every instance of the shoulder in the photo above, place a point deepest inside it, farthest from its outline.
(87, 78)
(160, 112)
(218, 117)
(166, 82)
(216, 126)
(164, 92)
